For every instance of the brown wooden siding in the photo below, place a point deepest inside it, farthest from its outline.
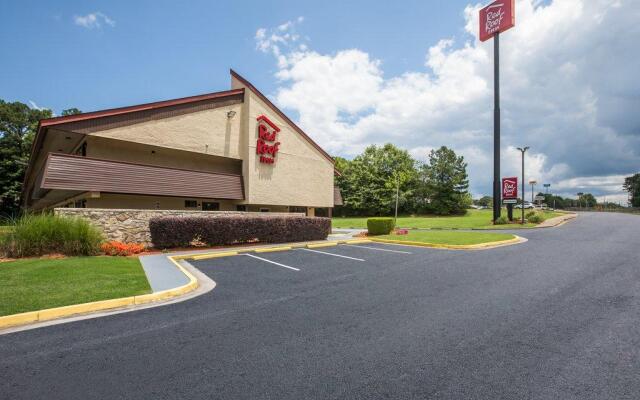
(337, 196)
(67, 172)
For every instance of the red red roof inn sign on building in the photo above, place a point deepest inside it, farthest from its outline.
(266, 146)
(495, 18)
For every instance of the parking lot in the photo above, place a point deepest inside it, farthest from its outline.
(555, 317)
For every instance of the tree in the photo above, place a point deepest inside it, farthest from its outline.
(368, 182)
(71, 111)
(632, 186)
(485, 201)
(589, 200)
(444, 182)
(18, 124)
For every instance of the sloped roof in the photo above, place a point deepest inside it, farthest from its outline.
(280, 113)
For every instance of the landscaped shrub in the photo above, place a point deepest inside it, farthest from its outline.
(529, 214)
(502, 220)
(232, 229)
(36, 235)
(380, 226)
(115, 248)
(536, 218)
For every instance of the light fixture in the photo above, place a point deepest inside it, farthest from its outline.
(231, 114)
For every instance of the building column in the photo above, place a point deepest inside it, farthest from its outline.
(311, 212)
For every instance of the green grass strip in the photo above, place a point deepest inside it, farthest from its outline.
(449, 237)
(35, 284)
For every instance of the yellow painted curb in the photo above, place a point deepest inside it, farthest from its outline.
(66, 311)
(479, 246)
(270, 249)
(213, 255)
(18, 319)
(53, 313)
(355, 241)
(319, 245)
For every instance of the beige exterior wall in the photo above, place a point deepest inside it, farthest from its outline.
(210, 141)
(207, 132)
(301, 175)
(119, 150)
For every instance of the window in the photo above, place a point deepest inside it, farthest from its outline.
(210, 206)
(264, 210)
(190, 204)
(80, 203)
(241, 207)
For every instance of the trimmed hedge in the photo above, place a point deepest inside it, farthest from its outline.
(501, 220)
(169, 232)
(380, 226)
(535, 218)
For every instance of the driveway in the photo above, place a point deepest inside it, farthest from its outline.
(557, 317)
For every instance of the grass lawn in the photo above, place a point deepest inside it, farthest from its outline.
(473, 219)
(34, 284)
(449, 237)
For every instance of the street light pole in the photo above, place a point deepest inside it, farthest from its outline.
(523, 150)
(395, 221)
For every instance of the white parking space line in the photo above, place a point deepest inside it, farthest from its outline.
(331, 254)
(272, 262)
(376, 248)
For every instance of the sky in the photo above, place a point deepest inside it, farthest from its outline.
(355, 73)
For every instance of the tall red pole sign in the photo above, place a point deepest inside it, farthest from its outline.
(495, 18)
(266, 146)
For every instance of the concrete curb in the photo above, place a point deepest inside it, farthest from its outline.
(557, 221)
(66, 311)
(481, 246)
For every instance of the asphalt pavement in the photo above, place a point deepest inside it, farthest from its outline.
(557, 317)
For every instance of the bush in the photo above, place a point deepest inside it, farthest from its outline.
(233, 229)
(535, 218)
(36, 235)
(380, 226)
(115, 248)
(502, 220)
(529, 214)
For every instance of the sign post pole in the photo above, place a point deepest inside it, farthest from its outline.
(523, 151)
(497, 203)
(495, 18)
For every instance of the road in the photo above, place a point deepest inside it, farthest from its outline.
(557, 317)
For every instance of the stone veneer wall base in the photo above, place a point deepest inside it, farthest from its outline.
(131, 225)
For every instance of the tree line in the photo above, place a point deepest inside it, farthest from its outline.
(370, 181)
(18, 125)
(632, 186)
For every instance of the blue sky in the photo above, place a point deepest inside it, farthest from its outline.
(355, 73)
(166, 49)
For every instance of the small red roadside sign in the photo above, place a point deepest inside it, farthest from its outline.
(510, 188)
(496, 17)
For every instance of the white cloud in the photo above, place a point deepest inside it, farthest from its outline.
(283, 37)
(569, 90)
(35, 106)
(93, 20)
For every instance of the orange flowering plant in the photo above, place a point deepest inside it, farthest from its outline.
(115, 248)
